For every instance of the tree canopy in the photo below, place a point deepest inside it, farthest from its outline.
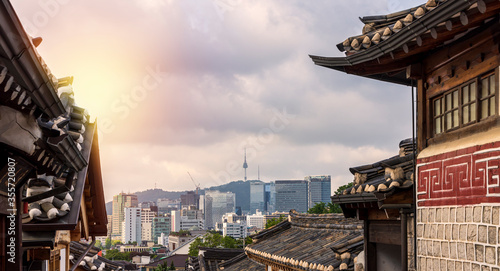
(273, 221)
(326, 208)
(342, 188)
(214, 239)
(108, 243)
(115, 254)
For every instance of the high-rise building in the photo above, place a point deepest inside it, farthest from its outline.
(109, 226)
(291, 194)
(201, 205)
(120, 202)
(192, 213)
(147, 204)
(319, 189)
(236, 229)
(238, 210)
(216, 205)
(147, 215)
(270, 197)
(256, 220)
(191, 198)
(161, 224)
(180, 222)
(165, 206)
(233, 217)
(131, 225)
(257, 196)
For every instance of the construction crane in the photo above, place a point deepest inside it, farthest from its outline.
(197, 185)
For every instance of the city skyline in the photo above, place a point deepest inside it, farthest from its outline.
(186, 90)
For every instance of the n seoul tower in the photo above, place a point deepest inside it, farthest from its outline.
(245, 165)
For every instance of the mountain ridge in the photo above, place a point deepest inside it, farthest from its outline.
(240, 188)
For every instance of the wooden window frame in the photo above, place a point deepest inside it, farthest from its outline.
(493, 94)
(470, 103)
(478, 104)
(451, 110)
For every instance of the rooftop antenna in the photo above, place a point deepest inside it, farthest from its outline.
(258, 172)
(245, 165)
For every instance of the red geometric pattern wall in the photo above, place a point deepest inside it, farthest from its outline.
(466, 176)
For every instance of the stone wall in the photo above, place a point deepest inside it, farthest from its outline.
(459, 237)
(410, 240)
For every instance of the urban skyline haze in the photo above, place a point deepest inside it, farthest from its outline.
(182, 86)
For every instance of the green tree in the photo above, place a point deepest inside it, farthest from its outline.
(319, 208)
(172, 266)
(115, 242)
(248, 240)
(195, 246)
(273, 221)
(108, 243)
(342, 188)
(213, 240)
(162, 267)
(98, 244)
(335, 208)
(114, 254)
(229, 242)
(180, 233)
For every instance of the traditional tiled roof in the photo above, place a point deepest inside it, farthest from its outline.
(376, 184)
(209, 258)
(241, 262)
(388, 44)
(54, 145)
(378, 29)
(44, 131)
(309, 242)
(57, 200)
(28, 86)
(178, 259)
(19, 54)
(92, 261)
(383, 176)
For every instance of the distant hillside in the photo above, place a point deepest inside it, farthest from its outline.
(240, 188)
(150, 195)
(155, 194)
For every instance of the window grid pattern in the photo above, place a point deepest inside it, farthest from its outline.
(465, 105)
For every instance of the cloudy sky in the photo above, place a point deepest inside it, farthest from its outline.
(187, 85)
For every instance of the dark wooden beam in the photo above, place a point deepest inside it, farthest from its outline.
(421, 116)
(414, 71)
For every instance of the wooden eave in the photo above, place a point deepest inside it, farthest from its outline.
(71, 220)
(377, 206)
(436, 29)
(38, 239)
(94, 190)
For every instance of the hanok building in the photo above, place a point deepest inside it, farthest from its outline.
(382, 196)
(51, 190)
(309, 242)
(85, 257)
(450, 51)
(210, 259)
(241, 262)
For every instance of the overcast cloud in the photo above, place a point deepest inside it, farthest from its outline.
(186, 85)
